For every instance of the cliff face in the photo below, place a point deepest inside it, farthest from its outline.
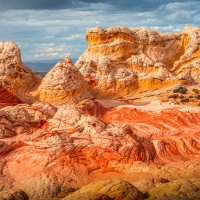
(120, 61)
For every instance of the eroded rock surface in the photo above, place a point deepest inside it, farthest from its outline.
(115, 189)
(68, 147)
(184, 189)
(120, 61)
(17, 82)
(80, 131)
(64, 83)
(13, 194)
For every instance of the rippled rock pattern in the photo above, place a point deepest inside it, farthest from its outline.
(72, 129)
(65, 147)
(17, 82)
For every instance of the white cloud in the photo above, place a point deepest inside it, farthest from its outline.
(54, 33)
(46, 55)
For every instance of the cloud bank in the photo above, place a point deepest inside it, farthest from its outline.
(51, 29)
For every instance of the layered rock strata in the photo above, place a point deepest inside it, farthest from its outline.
(71, 138)
(121, 61)
(17, 82)
(67, 147)
(64, 84)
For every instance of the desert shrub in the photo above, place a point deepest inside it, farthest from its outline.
(174, 96)
(191, 97)
(181, 90)
(185, 100)
(176, 91)
(195, 90)
(181, 97)
(198, 104)
(198, 96)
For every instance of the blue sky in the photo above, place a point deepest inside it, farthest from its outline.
(51, 29)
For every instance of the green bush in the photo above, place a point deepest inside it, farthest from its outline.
(195, 90)
(185, 100)
(191, 99)
(174, 96)
(176, 91)
(181, 90)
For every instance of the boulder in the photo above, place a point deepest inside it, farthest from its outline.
(13, 194)
(115, 189)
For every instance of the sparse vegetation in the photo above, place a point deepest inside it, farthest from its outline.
(184, 100)
(181, 90)
(191, 99)
(174, 96)
(181, 97)
(195, 90)
(176, 91)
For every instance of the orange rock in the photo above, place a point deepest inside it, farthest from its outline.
(88, 142)
(15, 78)
(121, 61)
(45, 149)
(64, 83)
(7, 96)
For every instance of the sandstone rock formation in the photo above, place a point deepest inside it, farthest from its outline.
(120, 62)
(17, 82)
(64, 83)
(115, 189)
(13, 194)
(72, 130)
(179, 189)
(67, 147)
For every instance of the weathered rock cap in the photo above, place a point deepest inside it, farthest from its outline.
(64, 83)
(10, 54)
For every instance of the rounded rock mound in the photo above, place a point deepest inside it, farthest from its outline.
(17, 82)
(114, 189)
(64, 83)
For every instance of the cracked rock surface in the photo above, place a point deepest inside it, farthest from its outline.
(81, 128)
